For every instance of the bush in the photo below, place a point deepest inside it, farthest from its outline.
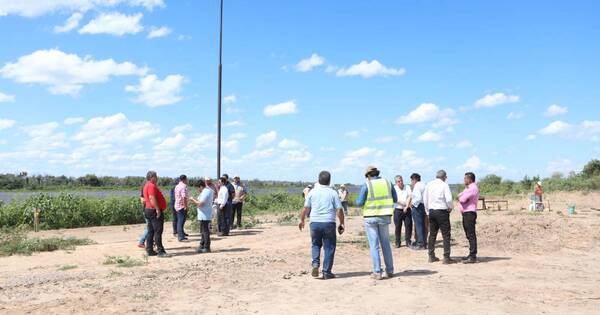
(591, 169)
(15, 241)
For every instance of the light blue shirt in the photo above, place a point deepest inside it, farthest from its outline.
(417, 194)
(205, 212)
(323, 202)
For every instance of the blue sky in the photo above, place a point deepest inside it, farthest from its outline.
(122, 86)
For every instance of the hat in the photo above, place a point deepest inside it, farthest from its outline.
(310, 186)
(344, 186)
(370, 168)
(236, 176)
(539, 183)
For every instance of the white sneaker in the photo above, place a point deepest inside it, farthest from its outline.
(376, 276)
(387, 275)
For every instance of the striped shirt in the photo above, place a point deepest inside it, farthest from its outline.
(181, 196)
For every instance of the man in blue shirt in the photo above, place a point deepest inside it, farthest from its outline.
(324, 204)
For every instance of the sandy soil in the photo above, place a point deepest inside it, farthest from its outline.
(530, 263)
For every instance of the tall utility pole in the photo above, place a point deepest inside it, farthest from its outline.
(219, 101)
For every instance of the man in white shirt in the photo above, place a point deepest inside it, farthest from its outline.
(402, 213)
(222, 208)
(418, 211)
(438, 202)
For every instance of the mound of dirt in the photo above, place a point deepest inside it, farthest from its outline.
(537, 233)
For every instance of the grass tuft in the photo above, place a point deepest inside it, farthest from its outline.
(123, 261)
(16, 242)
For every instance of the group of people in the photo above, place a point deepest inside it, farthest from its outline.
(426, 207)
(223, 201)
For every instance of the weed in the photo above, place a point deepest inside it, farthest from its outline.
(66, 267)
(124, 261)
(15, 241)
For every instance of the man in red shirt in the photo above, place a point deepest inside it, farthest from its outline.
(155, 206)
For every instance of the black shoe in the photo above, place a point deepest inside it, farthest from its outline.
(415, 247)
(163, 254)
(470, 260)
(206, 250)
(200, 250)
(397, 245)
(185, 239)
(152, 253)
(448, 261)
(327, 276)
(315, 272)
(433, 259)
(185, 234)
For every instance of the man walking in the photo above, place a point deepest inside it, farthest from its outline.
(204, 204)
(377, 197)
(343, 193)
(181, 201)
(238, 201)
(323, 203)
(468, 207)
(418, 211)
(223, 210)
(402, 213)
(155, 206)
(438, 202)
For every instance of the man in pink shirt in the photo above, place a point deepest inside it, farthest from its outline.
(468, 207)
(181, 202)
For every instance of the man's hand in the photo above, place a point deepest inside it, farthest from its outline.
(301, 225)
(157, 214)
(341, 229)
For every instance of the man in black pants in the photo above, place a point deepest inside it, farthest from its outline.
(438, 200)
(230, 194)
(402, 213)
(154, 212)
(468, 206)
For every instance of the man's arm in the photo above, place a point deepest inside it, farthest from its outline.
(342, 218)
(448, 197)
(362, 195)
(465, 195)
(303, 217)
(394, 195)
(417, 196)
(154, 203)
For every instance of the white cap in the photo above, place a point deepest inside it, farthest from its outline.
(539, 183)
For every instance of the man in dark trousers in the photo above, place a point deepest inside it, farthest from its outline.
(231, 194)
(438, 202)
(155, 206)
(468, 207)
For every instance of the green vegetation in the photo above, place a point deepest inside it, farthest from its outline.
(15, 242)
(123, 261)
(587, 180)
(277, 202)
(66, 267)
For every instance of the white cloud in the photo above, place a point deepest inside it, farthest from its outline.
(369, 69)
(34, 8)
(230, 99)
(429, 136)
(284, 108)
(237, 136)
(234, 123)
(231, 145)
(361, 157)
(266, 138)
(515, 115)
(5, 98)
(289, 144)
(352, 134)
(260, 154)
(184, 37)
(495, 99)
(556, 127)
(309, 63)
(6, 123)
(114, 23)
(156, 32)
(171, 143)
(73, 120)
(555, 110)
(65, 73)
(531, 137)
(464, 144)
(115, 129)
(71, 23)
(182, 128)
(41, 130)
(385, 139)
(327, 149)
(472, 164)
(154, 92)
(429, 112)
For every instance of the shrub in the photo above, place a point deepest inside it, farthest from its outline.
(15, 241)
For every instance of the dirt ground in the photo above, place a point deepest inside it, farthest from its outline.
(529, 264)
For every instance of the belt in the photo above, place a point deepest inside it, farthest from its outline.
(438, 209)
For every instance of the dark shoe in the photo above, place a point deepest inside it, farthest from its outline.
(415, 247)
(448, 261)
(152, 253)
(470, 260)
(433, 259)
(315, 272)
(141, 245)
(327, 276)
(397, 245)
(206, 250)
(200, 250)
(163, 254)
(185, 239)
(408, 244)
(387, 275)
(185, 234)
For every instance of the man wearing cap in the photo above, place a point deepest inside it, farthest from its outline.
(238, 201)
(324, 204)
(438, 202)
(377, 198)
(343, 193)
(307, 190)
(538, 191)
